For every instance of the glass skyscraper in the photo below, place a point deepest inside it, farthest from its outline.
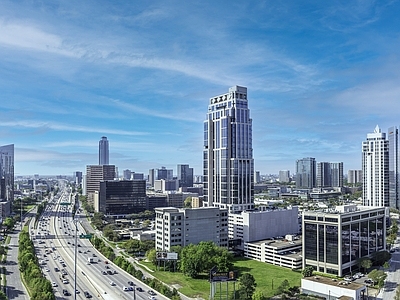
(103, 151)
(393, 138)
(306, 173)
(7, 173)
(228, 153)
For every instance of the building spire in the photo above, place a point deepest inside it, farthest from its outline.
(377, 129)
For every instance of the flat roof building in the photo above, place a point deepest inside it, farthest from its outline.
(334, 240)
(249, 226)
(181, 227)
(94, 175)
(333, 289)
(121, 197)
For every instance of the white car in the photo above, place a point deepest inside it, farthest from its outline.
(112, 283)
(54, 284)
(125, 288)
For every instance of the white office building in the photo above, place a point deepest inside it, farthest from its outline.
(249, 226)
(228, 152)
(375, 167)
(182, 227)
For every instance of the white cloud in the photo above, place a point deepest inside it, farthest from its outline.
(63, 127)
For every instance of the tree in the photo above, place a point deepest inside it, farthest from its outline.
(365, 263)
(247, 286)
(9, 223)
(380, 257)
(151, 256)
(258, 295)
(285, 285)
(3, 296)
(307, 271)
(146, 223)
(378, 277)
(188, 202)
(397, 296)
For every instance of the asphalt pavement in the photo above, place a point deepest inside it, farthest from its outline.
(15, 288)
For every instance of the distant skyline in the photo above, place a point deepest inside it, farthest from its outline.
(320, 76)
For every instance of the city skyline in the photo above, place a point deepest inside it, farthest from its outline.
(320, 77)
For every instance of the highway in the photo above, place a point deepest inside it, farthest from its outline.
(55, 239)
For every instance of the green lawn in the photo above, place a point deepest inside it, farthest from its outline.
(268, 278)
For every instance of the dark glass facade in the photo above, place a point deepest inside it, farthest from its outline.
(122, 197)
(333, 244)
(7, 172)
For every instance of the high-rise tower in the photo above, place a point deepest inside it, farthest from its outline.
(228, 152)
(394, 167)
(7, 173)
(306, 173)
(375, 167)
(103, 151)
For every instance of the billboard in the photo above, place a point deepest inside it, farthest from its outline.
(167, 255)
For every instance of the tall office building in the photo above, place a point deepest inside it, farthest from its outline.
(329, 174)
(337, 174)
(284, 176)
(94, 175)
(7, 173)
(152, 177)
(354, 176)
(103, 151)
(77, 177)
(394, 167)
(375, 167)
(127, 174)
(185, 175)
(323, 174)
(228, 153)
(305, 173)
(164, 173)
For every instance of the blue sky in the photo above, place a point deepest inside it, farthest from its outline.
(320, 76)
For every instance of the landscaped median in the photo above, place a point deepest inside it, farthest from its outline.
(39, 288)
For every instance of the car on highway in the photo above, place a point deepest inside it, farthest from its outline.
(151, 292)
(130, 283)
(87, 295)
(112, 283)
(139, 289)
(54, 284)
(65, 281)
(125, 288)
(66, 293)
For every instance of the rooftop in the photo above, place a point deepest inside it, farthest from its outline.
(336, 282)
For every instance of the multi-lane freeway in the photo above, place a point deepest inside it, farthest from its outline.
(58, 247)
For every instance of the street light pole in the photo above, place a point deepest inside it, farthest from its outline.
(75, 256)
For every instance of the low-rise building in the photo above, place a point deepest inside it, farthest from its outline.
(121, 197)
(335, 239)
(269, 223)
(282, 252)
(333, 289)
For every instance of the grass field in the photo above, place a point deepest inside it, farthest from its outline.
(268, 278)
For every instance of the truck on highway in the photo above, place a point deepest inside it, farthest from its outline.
(90, 259)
